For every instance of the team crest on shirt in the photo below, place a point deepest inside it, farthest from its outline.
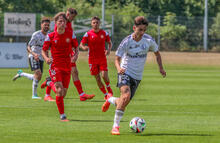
(102, 36)
(54, 78)
(55, 41)
(67, 40)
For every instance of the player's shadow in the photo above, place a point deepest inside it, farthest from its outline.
(95, 121)
(92, 100)
(174, 134)
(140, 99)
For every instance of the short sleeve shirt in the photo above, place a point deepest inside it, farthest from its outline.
(134, 54)
(61, 48)
(36, 43)
(96, 43)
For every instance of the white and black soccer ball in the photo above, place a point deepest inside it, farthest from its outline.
(137, 124)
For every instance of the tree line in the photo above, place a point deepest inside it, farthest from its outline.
(181, 21)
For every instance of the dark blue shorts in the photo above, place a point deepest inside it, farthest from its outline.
(36, 64)
(124, 79)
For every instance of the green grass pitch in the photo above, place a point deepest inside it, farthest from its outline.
(184, 107)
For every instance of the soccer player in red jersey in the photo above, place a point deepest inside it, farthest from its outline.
(60, 43)
(71, 14)
(94, 40)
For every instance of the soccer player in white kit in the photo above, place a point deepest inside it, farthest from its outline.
(35, 58)
(129, 61)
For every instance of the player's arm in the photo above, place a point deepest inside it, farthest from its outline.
(107, 52)
(159, 62)
(75, 48)
(117, 65)
(84, 41)
(44, 51)
(83, 46)
(32, 42)
(75, 55)
(108, 40)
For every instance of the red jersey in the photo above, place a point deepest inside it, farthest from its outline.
(61, 47)
(96, 43)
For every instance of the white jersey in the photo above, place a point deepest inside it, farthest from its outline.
(36, 43)
(134, 54)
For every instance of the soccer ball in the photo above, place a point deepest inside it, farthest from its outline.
(137, 125)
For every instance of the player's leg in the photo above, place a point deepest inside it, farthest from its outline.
(65, 85)
(36, 79)
(77, 83)
(120, 108)
(37, 67)
(49, 86)
(95, 71)
(33, 64)
(104, 71)
(59, 100)
(100, 84)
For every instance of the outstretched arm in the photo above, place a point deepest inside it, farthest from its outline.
(159, 62)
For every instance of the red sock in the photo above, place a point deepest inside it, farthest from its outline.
(48, 90)
(53, 87)
(78, 86)
(103, 90)
(60, 104)
(108, 87)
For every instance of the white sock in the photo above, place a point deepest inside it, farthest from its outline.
(27, 75)
(118, 116)
(47, 95)
(34, 86)
(112, 100)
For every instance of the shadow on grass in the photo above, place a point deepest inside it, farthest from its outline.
(174, 134)
(91, 100)
(78, 120)
(139, 99)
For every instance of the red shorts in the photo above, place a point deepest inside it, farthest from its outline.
(58, 75)
(96, 67)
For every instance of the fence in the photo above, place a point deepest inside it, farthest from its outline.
(171, 33)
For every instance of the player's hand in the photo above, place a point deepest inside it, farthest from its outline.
(85, 48)
(163, 73)
(49, 61)
(121, 71)
(36, 56)
(107, 52)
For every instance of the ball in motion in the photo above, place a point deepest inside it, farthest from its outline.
(137, 125)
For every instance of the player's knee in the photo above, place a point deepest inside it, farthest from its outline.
(59, 90)
(38, 75)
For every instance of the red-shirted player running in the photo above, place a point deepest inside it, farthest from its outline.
(60, 42)
(71, 14)
(95, 40)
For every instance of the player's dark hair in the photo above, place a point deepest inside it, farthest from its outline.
(60, 14)
(140, 20)
(44, 19)
(72, 11)
(95, 18)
